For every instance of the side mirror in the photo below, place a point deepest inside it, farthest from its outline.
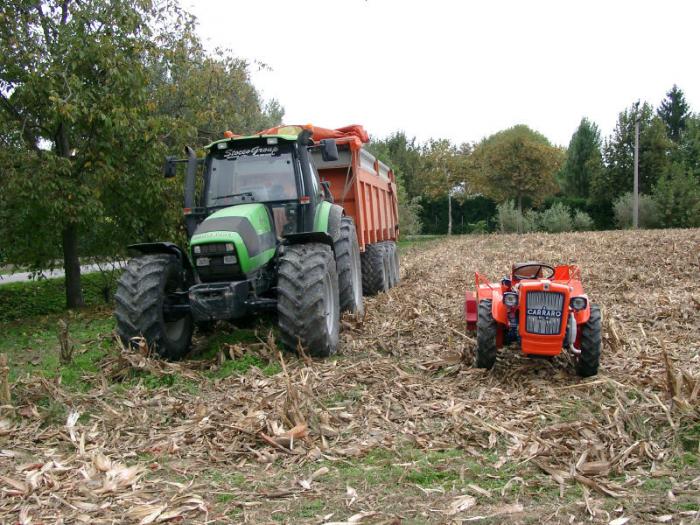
(329, 150)
(169, 169)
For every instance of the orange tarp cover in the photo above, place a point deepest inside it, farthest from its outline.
(353, 134)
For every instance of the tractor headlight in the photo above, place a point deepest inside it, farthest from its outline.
(202, 261)
(197, 250)
(229, 247)
(229, 259)
(578, 303)
(510, 299)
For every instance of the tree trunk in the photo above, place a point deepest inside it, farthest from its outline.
(449, 213)
(71, 265)
(520, 213)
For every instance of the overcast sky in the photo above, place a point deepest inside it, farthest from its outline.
(460, 69)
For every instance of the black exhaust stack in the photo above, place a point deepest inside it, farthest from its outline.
(190, 180)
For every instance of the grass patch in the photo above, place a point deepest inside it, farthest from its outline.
(243, 364)
(32, 346)
(48, 296)
(412, 240)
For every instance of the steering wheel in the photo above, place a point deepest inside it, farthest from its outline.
(532, 270)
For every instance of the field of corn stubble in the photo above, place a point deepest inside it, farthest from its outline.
(399, 427)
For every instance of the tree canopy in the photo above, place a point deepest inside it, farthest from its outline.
(584, 161)
(517, 163)
(92, 94)
(674, 112)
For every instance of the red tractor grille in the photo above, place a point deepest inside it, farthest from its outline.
(544, 312)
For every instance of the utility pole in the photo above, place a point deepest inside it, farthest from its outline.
(635, 208)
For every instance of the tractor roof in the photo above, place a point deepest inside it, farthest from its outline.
(291, 138)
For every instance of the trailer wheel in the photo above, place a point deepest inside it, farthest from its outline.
(486, 328)
(146, 291)
(591, 341)
(347, 261)
(375, 277)
(393, 260)
(307, 299)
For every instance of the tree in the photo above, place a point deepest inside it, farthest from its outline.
(583, 160)
(677, 198)
(403, 156)
(444, 172)
(517, 163)
(92, 94)
(617, 177)
(674, 112)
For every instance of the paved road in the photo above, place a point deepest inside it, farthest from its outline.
(20, 277)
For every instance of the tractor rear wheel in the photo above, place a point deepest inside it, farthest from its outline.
(591, 341)
(307, 299)
(375, 276)
(486, 328)
(147, 291)
(347, 261)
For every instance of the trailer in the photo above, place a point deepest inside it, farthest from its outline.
(366, 189)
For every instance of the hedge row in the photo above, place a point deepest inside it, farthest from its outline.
(48, 296)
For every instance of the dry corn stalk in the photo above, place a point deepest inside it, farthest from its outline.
(5, 398)
(65, 344)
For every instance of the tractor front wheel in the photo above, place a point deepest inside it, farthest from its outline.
(486, 328)
(347, 260)
(307, 299)
(150, 297)
(591, 342)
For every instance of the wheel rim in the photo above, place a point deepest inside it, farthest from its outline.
(330, 312)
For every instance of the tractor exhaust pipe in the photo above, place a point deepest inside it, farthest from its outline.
(190, 179)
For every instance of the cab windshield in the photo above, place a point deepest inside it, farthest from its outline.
(260, 178)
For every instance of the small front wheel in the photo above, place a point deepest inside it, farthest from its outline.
(591, 342)
(486, 329)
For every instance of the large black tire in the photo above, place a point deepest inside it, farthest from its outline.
(486, 328)
(375, 277)
(591, 342)
(307, 299)
(347, 261)
(142, 292)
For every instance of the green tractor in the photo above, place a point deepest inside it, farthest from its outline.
(264, 234)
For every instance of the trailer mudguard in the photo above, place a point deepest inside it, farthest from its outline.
(247, 226)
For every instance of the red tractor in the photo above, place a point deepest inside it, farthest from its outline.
(543, 308)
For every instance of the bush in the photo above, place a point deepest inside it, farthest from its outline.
(582, 221)
(648, 213)
(478, 227)
(677, 198)
(531, 221)
(409, 216)
(508, 217)
(556, 219)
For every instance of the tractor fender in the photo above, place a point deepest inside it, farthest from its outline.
(147, 248)
(334, 217)
(498, 309)
(306, 237)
